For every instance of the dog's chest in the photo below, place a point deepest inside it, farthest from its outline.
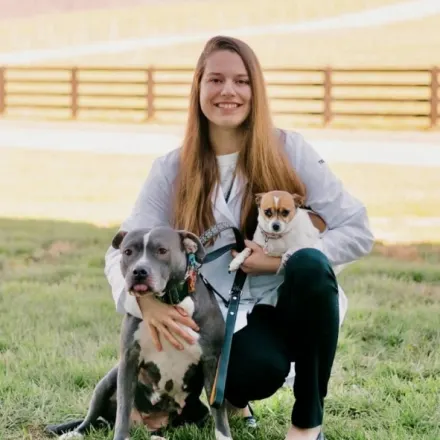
(170, 369)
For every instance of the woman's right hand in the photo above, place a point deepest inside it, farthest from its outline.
(162, 320)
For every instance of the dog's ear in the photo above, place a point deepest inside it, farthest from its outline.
(298, 200)
(117, 239)
(189, 242)
(258, 198)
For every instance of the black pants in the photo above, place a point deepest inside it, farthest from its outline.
(302, 328)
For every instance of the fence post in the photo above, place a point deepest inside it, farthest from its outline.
(434, 96)
(328, 116)
(2, 90)
(150, 93)
(74, 92)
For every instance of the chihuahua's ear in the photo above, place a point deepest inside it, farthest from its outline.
(298, 200)
(258, 198)
(117, 239)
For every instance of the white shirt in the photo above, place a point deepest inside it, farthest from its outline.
(226, 165)
(347, 238)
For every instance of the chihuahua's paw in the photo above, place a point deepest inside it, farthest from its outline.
(234, 264)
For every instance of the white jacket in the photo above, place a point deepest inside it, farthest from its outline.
(347, 237)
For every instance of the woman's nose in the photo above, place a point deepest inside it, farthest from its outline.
(228, 89)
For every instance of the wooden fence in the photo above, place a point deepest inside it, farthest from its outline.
(326, 94)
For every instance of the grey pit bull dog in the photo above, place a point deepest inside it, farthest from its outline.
(147, 386)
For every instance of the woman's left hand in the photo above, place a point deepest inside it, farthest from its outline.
(258, 262)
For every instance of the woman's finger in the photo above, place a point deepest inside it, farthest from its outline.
(181, 310)
(186, 321)
(170, 338)
(172, 326)
(155, 337)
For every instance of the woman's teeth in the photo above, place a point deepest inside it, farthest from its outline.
(227, 105)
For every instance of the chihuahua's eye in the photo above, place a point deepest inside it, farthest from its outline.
(162, 251)
(285, 212)
(128, 252)
(268, 213)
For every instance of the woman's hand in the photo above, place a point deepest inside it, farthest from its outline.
(258, 262)
(162, 320)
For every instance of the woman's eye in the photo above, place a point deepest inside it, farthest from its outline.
(285, 212)
(162, 251)
(268, 213)
(243, 82)
(128, 252)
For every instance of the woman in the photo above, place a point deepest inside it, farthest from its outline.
(291, 309)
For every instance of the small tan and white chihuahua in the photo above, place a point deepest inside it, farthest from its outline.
(282, 225)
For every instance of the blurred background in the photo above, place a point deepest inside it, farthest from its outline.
(359, 78)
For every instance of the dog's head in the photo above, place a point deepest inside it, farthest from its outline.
(151, 258)
(276, 209)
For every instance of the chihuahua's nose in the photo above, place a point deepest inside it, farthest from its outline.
(276, 227)
(139, 272)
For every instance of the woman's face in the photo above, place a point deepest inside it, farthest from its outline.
(225, 91)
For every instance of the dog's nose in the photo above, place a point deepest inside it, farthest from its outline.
(139, 272)
(276, 227)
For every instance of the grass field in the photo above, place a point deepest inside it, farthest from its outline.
(101, 189)
(59, 335)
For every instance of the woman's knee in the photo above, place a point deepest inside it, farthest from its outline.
(310, 270)
(256, 375)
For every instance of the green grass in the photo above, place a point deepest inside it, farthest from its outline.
(59, 335)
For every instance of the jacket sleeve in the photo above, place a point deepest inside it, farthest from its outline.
(348, 236)
(151, 208)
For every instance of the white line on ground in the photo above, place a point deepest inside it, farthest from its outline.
(110, 139)
(409, 10)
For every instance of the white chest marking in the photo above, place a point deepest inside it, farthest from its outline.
(172, 363)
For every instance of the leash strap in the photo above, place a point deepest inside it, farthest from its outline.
(218, 389)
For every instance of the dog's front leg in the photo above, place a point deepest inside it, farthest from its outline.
(127, 377)
(126, 386)
(220, 415)
(239, 259)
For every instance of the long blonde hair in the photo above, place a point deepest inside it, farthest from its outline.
(262, 160)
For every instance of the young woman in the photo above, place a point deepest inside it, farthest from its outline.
(291, 308)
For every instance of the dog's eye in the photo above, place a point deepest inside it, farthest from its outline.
(268, 213)
(285, 212)
(128, 252)
(162, 251)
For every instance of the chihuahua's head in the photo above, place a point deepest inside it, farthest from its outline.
(276, 209)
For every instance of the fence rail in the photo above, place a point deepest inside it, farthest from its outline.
(324, 93)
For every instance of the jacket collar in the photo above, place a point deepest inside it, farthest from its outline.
(225, 208)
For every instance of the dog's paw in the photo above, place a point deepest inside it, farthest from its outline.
(233, 267)
(71, 435)
(155, 397)
(220, 436)
(156, 437)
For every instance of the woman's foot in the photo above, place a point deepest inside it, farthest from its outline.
(246, 413)
(295, 433)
